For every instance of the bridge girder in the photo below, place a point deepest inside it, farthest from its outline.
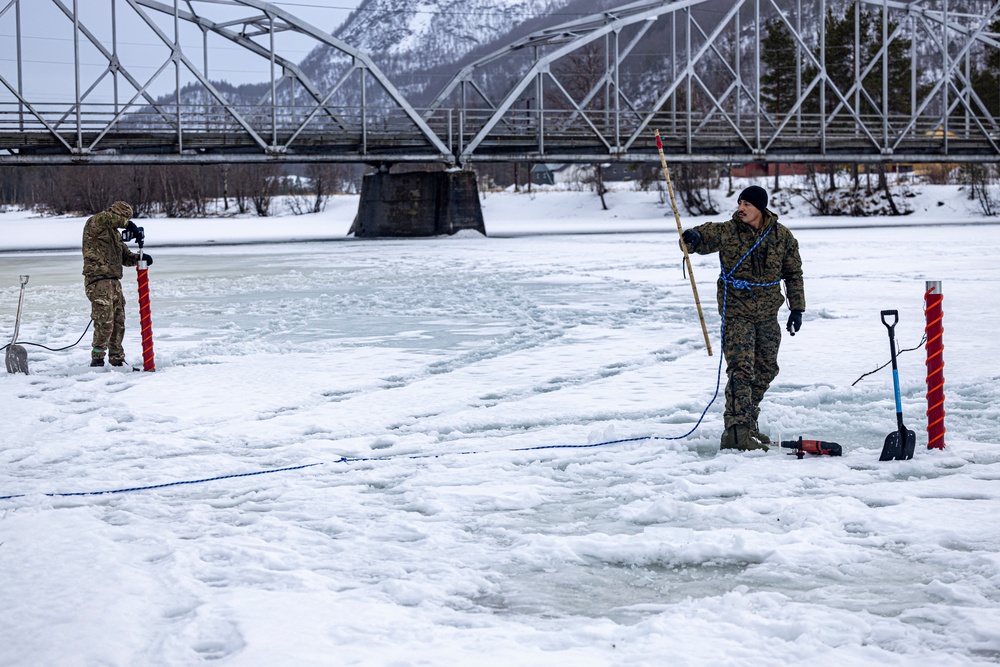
(202, 122)
(590, 90)
(708, 102)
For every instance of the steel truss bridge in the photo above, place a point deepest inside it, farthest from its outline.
(591, 90)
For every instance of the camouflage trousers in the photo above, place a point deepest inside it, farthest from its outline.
(107, 310)
(751, 351)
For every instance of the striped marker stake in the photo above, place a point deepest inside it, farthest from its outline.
(934, 315)
(145, 321)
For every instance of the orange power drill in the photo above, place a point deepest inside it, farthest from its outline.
(803, 447)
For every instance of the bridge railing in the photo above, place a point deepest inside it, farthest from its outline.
(533, 135)
(102, 127)
(344, 133)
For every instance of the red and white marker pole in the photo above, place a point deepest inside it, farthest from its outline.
(934, 315)
(145, 321)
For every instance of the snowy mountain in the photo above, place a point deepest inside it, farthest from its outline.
(419, 44)
(420, 33)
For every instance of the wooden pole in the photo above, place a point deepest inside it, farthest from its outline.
(680, 232)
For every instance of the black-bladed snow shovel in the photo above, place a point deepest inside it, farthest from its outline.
(17, 356)
(901, 443)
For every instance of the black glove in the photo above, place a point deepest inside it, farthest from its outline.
(133, 233)
(692, 239)
(794, 321)
(146, 258)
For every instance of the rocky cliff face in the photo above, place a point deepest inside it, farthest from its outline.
(419, 44)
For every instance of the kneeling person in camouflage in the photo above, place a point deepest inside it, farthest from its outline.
(104, 255)
(757, 254)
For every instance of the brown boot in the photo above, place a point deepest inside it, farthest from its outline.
(762, 437)
(746, 438)
(756, 428)
(728, 438)
(741, 437)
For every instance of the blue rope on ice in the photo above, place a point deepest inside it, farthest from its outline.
(343, 459)
(150, 487)
(726, 279)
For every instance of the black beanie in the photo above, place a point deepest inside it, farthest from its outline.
(755, 195)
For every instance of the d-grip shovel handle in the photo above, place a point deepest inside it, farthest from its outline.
(895, 319)
(895, 372)
(899, 444)
(20, 302)
(892, 348)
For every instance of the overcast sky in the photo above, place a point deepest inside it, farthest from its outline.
(327, 14)
(48, 46)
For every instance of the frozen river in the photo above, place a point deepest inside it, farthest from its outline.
(443, 370)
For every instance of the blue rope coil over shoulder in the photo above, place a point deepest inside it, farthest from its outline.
(727, 278)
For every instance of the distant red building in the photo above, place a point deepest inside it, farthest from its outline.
(763, 169)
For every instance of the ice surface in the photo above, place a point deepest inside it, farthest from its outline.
(433, 366)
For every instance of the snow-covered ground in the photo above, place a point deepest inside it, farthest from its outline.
(413, 406)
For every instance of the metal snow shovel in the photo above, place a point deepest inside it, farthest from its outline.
(17, 356)
(900, 443)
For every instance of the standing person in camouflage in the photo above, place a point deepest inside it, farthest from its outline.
(757, 253)
(104, 255)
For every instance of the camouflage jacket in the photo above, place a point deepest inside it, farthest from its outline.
(104, 252)
(776, 258)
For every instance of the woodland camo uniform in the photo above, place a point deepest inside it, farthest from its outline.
(749, 299)
(104, 255)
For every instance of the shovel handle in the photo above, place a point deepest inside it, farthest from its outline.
(895, 319)
(20, 302)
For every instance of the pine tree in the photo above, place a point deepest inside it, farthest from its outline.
(839, 58)
(840, 54)
(898, 63)
(777, 84)
(986, 79)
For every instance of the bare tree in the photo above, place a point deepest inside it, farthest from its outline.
(326, 179)
(818, 197)
(241, 182)
(580, 73)
(980, 179)
(595, 179)
(883, 183)
(694, 184)
(262, 181)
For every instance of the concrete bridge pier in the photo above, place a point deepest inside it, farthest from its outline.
(418, 203)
